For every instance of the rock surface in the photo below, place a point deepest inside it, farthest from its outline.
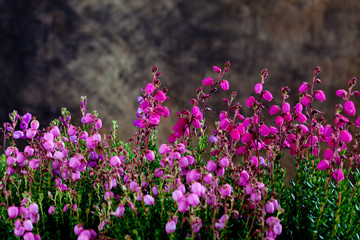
(53, 52)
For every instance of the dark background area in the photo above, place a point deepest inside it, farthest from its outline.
(53, 52)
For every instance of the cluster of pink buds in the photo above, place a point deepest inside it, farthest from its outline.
(25, 218)
(150, 110)
(84, 234)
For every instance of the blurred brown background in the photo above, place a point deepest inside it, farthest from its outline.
(53, 52)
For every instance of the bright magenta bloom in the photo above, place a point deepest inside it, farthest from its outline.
(216, 69)
(224, 84)
(320, 95)
(322, 165)
(274, 109)
(304, 87)
(208, 81)
(349, 108)
(226, 190)
(346, 136)
(338, 175)
(193, 199)
(267, 96)
(250, 101)
(258, 88)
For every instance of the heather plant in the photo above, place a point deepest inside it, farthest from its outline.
(70, 181)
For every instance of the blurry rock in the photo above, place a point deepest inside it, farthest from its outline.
(53, 52)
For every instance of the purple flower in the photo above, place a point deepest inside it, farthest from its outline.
(279, 121)
(183, 205)
(224, 84)
(13, 212)
(193, 199)
(250, 101)
(235, 135)
(345, 136)
(211, 166)
(34, 163)
(341, 93)
(158, 172)
(258, 88)
(304, 87)
(149, 200)
(217, 69)
(320, 95)
(286, 107)
(149, 89)
(78, 229)
(198, 189)
(224, 162)
(267, 96)
(244, 178)
(177, 195)
(33, 208)
(264, 130)
(18, 134)
(170, 227)
(208, 81)
(322, 165)
(306, 100)
(196, 224)
(224, 124)
(115, 161)
(274, 109)
(338, 175)
(51, 210)
(226, 190)
(269, 207)
(349, 108)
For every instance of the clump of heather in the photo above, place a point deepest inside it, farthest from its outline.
(69, 181)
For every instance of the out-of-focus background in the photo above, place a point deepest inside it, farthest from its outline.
(53, 52)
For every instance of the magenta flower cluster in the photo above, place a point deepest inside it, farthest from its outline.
(203, 183)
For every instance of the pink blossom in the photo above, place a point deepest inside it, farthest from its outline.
(240, 150)
(160, 96)
(33, 208)
(258, 88)
(198, 189)
(98, 123)
(244, 178)
(345, 136)
(320, 95)
(224, 162)
(250, 101)
(183, 205)
(30, 133)
(18, 134)
(78, 229)
(51, 210)
(235, 135)
(349, 108)
(13, 212)
(246, 138)
(34, 163)
(196, 225)
(29, 236)
(267, 96)
(264, 130)
(269, 207)
(119, 211)
(286, 107)
(301, 117)
(338, 175)
(328, 154)
(208, 81)
(224, 124)
(149, 200)
(217, 69)
(341, 93)
(150, 155)
(279, 121)
(193, 199)
(322, 165)
(183, 162)
(115, 161)
(274, 109)
(304, 87)
(149, 89)
(170, 227)
(357, 122)
(224, 84)
(226, 190)
(208, 178)
(306, 100)
(177, 195)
